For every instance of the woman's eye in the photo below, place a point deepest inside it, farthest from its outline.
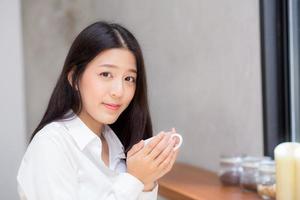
(130, 78)
(105, 74)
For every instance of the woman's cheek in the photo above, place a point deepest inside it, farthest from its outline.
(130, 97)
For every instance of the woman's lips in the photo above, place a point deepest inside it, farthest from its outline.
(112, 106)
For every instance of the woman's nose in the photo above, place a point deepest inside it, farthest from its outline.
(117, 88)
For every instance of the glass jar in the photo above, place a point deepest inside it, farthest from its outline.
(249, 173)
(266, 182)
(230, 170)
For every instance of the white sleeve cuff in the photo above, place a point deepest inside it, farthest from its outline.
(128, 186)
(149, 195)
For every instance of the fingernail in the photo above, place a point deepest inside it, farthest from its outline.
(161, 134)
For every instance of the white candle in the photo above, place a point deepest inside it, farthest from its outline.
(286, 171)
(297, 158)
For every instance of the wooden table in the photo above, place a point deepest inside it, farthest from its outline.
(185, 182)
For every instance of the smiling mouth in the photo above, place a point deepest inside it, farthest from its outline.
(112, 106)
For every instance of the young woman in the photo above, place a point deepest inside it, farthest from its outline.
(89, 143)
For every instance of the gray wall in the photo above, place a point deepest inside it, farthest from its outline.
(202, 58)
(12, 106)
(203, 64)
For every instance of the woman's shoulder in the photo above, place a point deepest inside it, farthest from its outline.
(53, 131)
(49, 138)
(46, 153)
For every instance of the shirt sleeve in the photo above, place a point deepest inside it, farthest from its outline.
(46, 173)
(150, 195)
(127, 186)
(131, 188)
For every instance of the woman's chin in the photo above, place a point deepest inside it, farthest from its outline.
(109, 120)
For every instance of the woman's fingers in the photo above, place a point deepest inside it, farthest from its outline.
(164, 155)
(174, 156)
(135, 148)
(154, 142)
(169, 164)
(166, 163)
(160, 147)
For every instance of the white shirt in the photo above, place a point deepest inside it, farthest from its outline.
(63, 162)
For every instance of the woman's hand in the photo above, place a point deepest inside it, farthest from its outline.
(153, 161)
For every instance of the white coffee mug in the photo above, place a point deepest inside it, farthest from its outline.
(172, 136)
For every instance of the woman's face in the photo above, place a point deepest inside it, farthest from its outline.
(107, 86)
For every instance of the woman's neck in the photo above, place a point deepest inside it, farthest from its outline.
(91, 123)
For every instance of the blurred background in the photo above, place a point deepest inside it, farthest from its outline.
(203, 61)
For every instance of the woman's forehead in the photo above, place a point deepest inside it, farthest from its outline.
(118, 58)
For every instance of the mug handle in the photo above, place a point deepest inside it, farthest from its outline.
(180, 140)
(172, 136)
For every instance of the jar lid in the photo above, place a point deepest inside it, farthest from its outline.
(253, 162)
(267, 166)
(230, 159)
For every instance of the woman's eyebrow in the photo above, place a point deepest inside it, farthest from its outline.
(115, 66)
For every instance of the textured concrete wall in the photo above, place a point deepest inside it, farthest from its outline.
(12, 98)
(202, 58)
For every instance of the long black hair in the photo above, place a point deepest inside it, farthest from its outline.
(134, 123)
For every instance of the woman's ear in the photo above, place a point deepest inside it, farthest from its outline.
(70, 78)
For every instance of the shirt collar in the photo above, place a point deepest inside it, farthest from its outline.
(83, 135)
(115, 145)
